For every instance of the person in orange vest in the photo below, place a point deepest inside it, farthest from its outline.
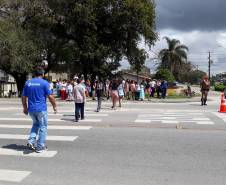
(205, 87)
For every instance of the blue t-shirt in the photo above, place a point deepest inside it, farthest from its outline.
(36, 90)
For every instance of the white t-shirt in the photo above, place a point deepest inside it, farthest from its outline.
(69, 88)
(152, 84)
(120, 90)
(79, 93)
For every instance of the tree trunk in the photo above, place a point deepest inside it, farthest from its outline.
(137, 76)
(20, 82)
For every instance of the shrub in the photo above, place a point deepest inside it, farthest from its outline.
(219, 87)
(165, 74)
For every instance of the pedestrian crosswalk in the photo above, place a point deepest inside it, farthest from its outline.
(22, 122)
(13, 175)
(220, 115)
(49, 138)
(50, 120)
(176, 117)
(26, 153)
(63, 122)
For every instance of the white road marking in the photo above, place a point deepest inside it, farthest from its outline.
(200, 119)
(50, 127)
(187, 121)
(49, 138)
(170, 122)
(205, 123)
(142, 121)
(27, 153)
(49, 120)
(90, 120)
(71, 111)
(9, 108)
(183, 111)
(12, 175)
(169, 118)
(71, 114)
(220, 115)
(169, 115)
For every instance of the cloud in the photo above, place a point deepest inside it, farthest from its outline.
(198, 24)
(186, 15)
(199, 44)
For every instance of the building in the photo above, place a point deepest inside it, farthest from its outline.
(134, 77)
(8, 86)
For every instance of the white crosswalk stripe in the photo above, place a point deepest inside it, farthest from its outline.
(50, 127)
(49, 120)
(220, 115)
(23, 122)
(13, 175)
(26, 153)
(49, 138)
(170, 117)
(71, 114)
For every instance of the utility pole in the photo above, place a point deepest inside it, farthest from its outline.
(209, 64)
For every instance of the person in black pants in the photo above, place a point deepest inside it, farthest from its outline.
(99, 93)
(80, 98)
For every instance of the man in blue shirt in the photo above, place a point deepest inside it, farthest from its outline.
(36, 90)
(164, 86)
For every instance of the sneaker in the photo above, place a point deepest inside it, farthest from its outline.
(40, 150)
(76, 120)
(31, 146)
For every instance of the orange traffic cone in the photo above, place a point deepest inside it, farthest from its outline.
(223, 104)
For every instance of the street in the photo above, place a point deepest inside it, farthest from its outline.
(142, 143)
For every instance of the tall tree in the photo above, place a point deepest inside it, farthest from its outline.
(174, 56)
(96, 34)
(137, 60)
(18, 54)
(86, 36)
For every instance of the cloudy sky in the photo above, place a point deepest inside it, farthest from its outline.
(199, 24)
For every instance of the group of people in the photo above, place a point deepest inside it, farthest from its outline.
(129, 89)
(37, 90)
(116, 89)
(64, 89)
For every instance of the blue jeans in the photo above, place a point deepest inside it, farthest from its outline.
(39, 127)
(79, 111)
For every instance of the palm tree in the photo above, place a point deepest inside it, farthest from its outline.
(174, 56)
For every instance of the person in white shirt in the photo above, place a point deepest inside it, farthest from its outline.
(69, 90)
(121, 92)
(152, 85)
(79, 98)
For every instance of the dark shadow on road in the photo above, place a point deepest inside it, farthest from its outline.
(67, 119)
(16, 147)
(67, 115)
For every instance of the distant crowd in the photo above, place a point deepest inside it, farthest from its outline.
(126, 89)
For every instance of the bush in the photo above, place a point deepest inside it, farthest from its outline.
(165, 74)
(219, 87)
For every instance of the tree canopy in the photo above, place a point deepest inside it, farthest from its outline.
(173, 57)
(80, 36)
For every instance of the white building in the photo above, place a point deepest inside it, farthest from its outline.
(8, 86)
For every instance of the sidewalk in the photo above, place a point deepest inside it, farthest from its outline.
(213, 96)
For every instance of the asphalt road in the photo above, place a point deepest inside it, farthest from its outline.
(142, 143)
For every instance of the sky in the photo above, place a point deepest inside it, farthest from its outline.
(199, 24)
